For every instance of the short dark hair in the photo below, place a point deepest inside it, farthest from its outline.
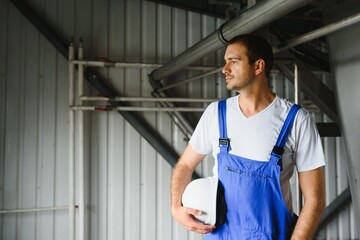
(257, 48)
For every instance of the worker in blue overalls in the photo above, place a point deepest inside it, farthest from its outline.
(263, 138)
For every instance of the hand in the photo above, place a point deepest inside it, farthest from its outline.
(185, 216)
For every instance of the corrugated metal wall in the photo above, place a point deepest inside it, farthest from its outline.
(127, 181)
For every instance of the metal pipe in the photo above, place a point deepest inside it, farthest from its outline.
(114, 64)
(190, 79)
(71, 147)
(178, 119)
(297, 94)
(256, 17)
(147, 99)
(212, 71)
(344, 199)
(297, 91)
(137, 109)
(330, 28)
(11, 211)
(81, 147)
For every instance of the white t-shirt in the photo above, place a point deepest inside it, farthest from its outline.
(254, 137)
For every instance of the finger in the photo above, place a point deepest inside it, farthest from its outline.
(200, 227)
(194, 212)
(203, 230)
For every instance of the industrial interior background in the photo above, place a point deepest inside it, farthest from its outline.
(99, 166)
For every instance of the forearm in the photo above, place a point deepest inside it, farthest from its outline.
(308, 221)
(313, 188)
(180, 178)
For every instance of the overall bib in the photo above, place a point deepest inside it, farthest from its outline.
(255, 205)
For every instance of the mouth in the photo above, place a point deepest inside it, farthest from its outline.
(228, 78)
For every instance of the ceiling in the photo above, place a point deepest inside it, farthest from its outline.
(298, 22)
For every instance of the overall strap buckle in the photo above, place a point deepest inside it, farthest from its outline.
(224, 142)
(279, 147)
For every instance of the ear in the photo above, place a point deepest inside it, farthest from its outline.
(259, 66)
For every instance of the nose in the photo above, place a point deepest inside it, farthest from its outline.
(226, 69)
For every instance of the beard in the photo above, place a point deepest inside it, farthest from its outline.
(238, 84)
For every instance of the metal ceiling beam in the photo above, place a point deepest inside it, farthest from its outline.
(151, 135)
(256, 17)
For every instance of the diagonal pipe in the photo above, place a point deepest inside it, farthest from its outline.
(256, 17)
(151, 135)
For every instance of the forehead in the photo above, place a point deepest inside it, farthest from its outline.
(235, 50)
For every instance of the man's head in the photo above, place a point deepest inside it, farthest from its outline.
(257, 48)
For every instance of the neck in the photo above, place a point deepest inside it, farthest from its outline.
(253, 102)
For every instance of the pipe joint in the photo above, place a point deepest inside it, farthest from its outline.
(221, 35)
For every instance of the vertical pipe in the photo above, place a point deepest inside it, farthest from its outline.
(80, 120)
(296, 84)
(71, 146)
(297, 100)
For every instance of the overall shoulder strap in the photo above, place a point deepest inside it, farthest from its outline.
(284, 133)
(224, 141)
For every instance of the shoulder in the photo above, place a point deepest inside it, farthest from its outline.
(284, 106)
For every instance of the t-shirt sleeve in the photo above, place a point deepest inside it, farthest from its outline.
(201, 141)
(309, 152)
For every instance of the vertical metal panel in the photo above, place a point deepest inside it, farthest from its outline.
(164, 225)
(12, 124)
(3, 93)
(345, 223)
(117, 167)
(148, 157)
(31, 94)
(100, 130)
(133, 140)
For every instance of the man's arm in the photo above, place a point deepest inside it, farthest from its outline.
(313, 188)
(181, 177)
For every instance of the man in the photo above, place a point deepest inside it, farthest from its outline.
(254, 119)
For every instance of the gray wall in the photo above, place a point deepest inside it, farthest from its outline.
(127, 181)
(345, 53)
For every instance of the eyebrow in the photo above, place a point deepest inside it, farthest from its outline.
(231, 58)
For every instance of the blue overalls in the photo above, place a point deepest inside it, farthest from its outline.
(255, 204)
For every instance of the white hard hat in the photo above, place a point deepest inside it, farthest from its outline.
(206, 195)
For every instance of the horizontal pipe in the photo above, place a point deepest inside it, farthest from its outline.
(137, 109)
(210, 72)
(8, 211)
(112, 64)
(330, 28)
(190, 79)
(147, 99)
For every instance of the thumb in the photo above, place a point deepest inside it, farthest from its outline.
(195, 212)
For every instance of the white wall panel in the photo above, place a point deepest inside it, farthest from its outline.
(3, 92)
(12, 125)
(127, 181)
